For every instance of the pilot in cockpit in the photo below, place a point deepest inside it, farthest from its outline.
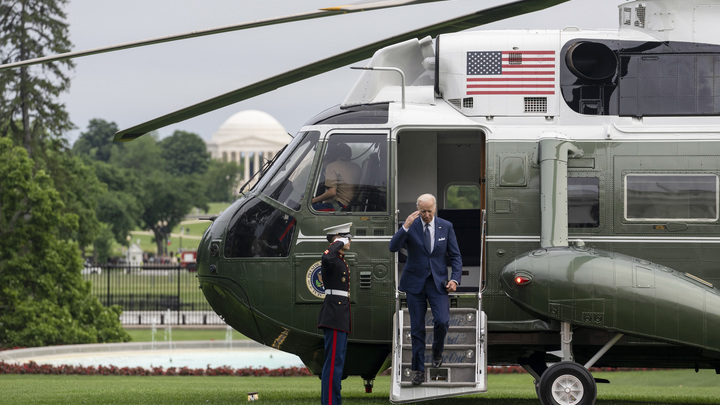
(341, 179)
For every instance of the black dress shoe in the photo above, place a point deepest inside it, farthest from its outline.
(437, 359)
(418, 378)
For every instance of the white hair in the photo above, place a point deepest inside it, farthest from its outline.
(426, 197)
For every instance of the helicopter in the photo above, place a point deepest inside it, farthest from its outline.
(592, 158)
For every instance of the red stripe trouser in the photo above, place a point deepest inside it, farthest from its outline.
(332, 372)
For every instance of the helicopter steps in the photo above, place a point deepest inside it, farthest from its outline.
(464, 367)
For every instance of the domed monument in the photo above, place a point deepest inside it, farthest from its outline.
(248, 138)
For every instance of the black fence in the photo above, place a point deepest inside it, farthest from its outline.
(152, 294)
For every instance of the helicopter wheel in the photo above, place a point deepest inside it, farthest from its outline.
(566, 383)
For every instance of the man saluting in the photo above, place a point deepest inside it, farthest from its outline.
(334, 317)
(425, 278)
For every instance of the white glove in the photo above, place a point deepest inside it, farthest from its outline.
(345, 241)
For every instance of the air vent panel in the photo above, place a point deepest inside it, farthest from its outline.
(536, 104)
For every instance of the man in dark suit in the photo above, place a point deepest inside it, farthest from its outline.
(334, 316)
(428, 240)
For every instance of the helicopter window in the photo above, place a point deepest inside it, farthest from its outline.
(462, 197)
(288, 183)
(671, 197)
(353, 176)
(259, 230)
(583, 202)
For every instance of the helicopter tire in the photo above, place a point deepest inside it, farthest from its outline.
(567, 383)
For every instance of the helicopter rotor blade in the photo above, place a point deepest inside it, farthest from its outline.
(321, 66)
(324, 12)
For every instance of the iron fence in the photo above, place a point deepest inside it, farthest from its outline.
(152, 293)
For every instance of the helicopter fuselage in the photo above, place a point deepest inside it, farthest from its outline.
(590, 158)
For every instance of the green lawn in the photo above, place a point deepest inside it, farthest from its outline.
(634, 388)
(192, 231)
(180, 334)
(215, 208)
(175, 283)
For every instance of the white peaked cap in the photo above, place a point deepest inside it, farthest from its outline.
(343, 230)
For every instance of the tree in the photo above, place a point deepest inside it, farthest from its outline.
(185, 153)
(166, 198)
(120, 207)
(97, 141)
(221, 181)
(30, 29)
(78, 188)
(44, 299)
(32, 116)
(47, 204)
(142, 156)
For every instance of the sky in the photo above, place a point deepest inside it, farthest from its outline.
(132, 86)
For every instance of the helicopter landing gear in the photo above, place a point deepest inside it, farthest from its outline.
(566, 383)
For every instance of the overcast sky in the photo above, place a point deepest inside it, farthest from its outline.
(131, 86)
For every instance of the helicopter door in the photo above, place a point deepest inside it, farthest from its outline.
(449, 165)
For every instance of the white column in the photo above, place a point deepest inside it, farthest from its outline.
(246, 175)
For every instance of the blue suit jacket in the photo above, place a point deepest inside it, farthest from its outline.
(419, 260)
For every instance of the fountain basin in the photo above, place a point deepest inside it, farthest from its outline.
(191, 354)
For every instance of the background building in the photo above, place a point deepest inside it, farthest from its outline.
(248, 138)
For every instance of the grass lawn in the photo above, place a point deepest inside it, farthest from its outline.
(180, 334)
(192, 231)
(121, 286)
(632, 387)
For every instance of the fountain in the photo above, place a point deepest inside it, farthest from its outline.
(153, 331)
(229, 337)
(168, 333)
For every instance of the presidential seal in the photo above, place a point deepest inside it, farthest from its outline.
(313, 280)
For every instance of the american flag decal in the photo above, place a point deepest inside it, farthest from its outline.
(511, 72)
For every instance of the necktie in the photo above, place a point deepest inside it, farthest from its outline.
(427, 237)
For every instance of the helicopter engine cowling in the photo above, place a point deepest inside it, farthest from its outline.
(601, 289)
(591, 60)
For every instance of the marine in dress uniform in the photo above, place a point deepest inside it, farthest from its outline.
(334, 317)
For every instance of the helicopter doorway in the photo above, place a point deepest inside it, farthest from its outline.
(451, 166)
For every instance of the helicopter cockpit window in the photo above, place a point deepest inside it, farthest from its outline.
(671, 197)
(353, 176)
(259, 230)
(288, 183)
(583, 202)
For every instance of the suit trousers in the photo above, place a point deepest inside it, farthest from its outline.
(417, 306)
(332, 372)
